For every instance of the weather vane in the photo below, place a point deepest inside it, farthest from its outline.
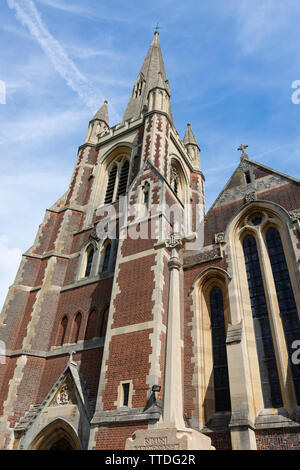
(157, 28)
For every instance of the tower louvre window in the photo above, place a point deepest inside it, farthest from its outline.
(286, 300)
(220, 366)
(123, 179)
(111, 185)
(263, 336)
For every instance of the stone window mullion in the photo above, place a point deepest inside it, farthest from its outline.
(275, 321)
(119, 166)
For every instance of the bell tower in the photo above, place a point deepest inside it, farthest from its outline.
(145, 316)
(107, 299)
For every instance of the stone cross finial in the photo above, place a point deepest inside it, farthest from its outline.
(157, 28)
(242, 148)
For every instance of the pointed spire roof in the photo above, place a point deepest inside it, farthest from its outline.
(189, 138)
(152, 75)
(102, 114)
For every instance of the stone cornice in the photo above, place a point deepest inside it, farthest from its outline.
(59, 350)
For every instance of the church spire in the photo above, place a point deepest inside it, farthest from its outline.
(152, 76)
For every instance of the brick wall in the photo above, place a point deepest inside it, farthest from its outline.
(128, 360)
(278, 439)
(114, 437)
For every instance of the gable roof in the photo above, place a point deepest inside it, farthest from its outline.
(244, 165)
(71, 371)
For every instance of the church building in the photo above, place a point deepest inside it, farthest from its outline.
(135, 307)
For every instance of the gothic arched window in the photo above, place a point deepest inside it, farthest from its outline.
(117, 180)
(106, 257)
(62, 331)
(76, 328)
(89, 260)
(174, 179)
(286, 300)
(263, 336)
(91, 329)
(220, 366)
(104, 322)
(145, 199)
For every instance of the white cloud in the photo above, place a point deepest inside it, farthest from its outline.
(259, 19)
(39, 126)
(27, 13)
(10, 258)
(86, 12)
(68, 7)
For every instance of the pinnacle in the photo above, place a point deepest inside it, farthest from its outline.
(102, 114)
(189, 138)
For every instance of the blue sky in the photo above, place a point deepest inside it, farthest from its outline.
(230, 64)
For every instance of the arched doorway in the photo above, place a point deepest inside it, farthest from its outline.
(58, 435)
(62, 444)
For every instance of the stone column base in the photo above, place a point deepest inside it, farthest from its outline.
(168, 439)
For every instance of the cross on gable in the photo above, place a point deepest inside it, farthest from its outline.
(242, 148)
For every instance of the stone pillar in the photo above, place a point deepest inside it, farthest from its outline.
(173, 400)
(171, 433)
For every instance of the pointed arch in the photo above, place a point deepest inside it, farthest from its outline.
(58, 435)
(90, 251)
(106, 256)
(104, 320)
(211, 303)
(115, 170)
(91, 328)
(256, 297)
(178, 180)
(62, 331)
(76, 328)
(220, 364)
